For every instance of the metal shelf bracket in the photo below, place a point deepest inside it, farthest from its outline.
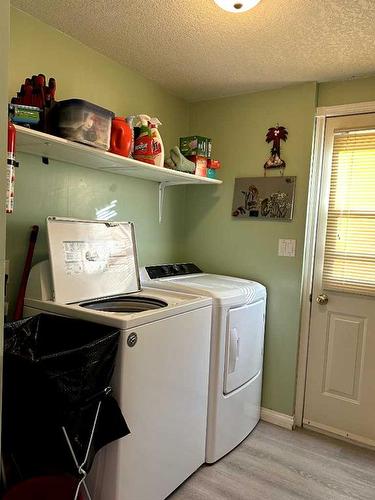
(162, 186)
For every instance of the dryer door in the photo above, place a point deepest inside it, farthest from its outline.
(244, 344)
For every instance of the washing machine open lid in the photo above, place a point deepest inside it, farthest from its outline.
(91, 259)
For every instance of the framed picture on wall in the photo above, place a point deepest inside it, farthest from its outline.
(264, 198)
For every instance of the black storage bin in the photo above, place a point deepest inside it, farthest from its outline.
(82, 121)
(56, 372)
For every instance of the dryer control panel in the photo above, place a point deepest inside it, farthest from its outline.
(170, 270)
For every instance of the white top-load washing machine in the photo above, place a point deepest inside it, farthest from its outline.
(161, 375)
(238, 319)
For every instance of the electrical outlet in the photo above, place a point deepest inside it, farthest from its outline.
(287, 248)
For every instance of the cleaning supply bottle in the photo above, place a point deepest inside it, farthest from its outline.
(142, 140)
(157, 142)
(148, 146)
(121, 137)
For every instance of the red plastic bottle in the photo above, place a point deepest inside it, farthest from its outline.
(121, 137)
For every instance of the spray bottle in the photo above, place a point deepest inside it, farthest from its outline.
(157, 142)
(148, 145)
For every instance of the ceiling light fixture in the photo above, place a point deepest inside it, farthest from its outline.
(237, 7)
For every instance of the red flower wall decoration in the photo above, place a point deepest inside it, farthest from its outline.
(275, 135)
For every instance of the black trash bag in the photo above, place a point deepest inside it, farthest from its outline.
(56, 371)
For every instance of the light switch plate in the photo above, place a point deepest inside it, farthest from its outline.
(287, 248)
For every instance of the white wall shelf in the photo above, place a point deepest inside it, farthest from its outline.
(55, 148)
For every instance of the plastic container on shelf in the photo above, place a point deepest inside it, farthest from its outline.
(83, 121)
(200, 165)
(212, 166)
(211, 173)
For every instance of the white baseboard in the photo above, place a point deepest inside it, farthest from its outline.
(274, 417)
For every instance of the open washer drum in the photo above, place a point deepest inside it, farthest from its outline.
(94, 263)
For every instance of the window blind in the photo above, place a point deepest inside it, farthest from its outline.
(349, 258)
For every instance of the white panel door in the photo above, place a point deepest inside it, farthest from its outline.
(340, 394)
(244, 345)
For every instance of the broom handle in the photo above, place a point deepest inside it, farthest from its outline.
(25, 275)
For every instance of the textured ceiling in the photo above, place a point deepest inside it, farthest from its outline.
(198, 51)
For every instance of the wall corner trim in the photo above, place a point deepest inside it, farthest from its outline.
(346, 109)
(277, 418)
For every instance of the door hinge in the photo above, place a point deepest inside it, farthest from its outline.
(310, 297)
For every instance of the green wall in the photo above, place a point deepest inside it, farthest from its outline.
(248, 248)
(67, 190)
(346, 92)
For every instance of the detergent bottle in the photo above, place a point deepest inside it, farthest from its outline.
(121, 137)
(148, 146)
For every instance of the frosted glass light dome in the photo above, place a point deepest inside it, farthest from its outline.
(233, 6)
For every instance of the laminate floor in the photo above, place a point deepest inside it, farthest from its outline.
(277, 464)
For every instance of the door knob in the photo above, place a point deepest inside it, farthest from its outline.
(322, 299)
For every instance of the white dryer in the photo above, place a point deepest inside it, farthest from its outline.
(237, 337)
(161, 376)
